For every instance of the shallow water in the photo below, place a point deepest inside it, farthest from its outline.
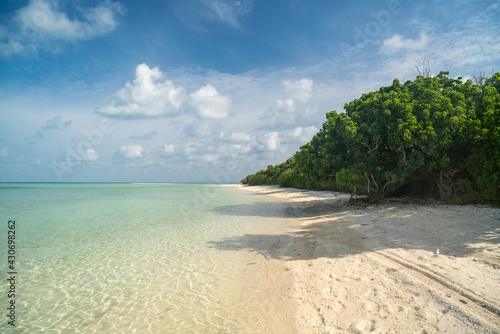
(122, 258)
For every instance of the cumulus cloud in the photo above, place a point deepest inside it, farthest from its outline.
(301, 90)
(272, 141)
(147, 96)
(243, 149)
(151, 95)
(129, 152)
(55, 123)
(302, 135)
(203, 129)
(209, 104)
(90, 155)
(292, 106)
(268, 141)
(41, 23)
(285, 105)
(183, 150)
(397, 43)
(168, 149)
(235, 150)
(239, 137)
(282, 141)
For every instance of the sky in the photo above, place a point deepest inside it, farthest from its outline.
(208, 90)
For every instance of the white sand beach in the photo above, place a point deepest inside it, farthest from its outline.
(393, 267)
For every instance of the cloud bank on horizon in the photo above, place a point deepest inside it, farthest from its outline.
(202, 90)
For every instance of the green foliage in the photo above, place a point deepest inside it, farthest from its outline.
(351, 177)
(484, 161)
(282, 174)
(437, 129)
(464, 192)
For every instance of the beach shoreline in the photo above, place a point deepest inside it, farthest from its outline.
(389, 268)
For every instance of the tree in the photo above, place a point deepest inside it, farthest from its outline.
(484, 161)
(437, 130)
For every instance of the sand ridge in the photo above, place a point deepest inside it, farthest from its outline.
(390, 268)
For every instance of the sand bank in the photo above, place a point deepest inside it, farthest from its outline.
(389, 268)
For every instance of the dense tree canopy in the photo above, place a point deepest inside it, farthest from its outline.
(435, 135)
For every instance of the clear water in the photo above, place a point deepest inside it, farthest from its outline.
(131, 258)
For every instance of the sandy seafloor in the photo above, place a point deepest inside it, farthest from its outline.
(395, 267)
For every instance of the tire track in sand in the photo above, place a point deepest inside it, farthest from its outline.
(464, 300)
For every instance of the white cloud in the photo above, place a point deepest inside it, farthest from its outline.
(209, 104)
(147, 136)
(150, 95)
(255, 142)
(41, 23)
(300, 90)
(55, 123)
(168, 149)
(228, 11)
(3, 153)
(8, 45)
(288, 105)
(196, 14)
(468, 47)
(293, 106)
(269, 141)
(129, 152)
(303, 134)
(147, 96)
(397, 43)
(272, 141)
(102, 19)
(190, 149)
(209, 157)
(90, 155)
(238, 137)
(203, 129)
(236, 149)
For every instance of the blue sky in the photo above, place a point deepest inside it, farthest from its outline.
(207, 90)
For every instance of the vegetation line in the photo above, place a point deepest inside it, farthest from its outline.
(434, 136)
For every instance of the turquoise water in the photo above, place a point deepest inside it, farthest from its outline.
(125, 258)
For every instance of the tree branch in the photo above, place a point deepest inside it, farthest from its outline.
(369, 148)
(426, 69)
(373, 179)
(368, 184)
(404, 153)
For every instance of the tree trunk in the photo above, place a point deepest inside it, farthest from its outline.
(445, 182)
(444, 190)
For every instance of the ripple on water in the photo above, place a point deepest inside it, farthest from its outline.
(113, 263)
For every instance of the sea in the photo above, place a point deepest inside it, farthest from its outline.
(135, 257)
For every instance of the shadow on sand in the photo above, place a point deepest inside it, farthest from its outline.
(335, 229)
